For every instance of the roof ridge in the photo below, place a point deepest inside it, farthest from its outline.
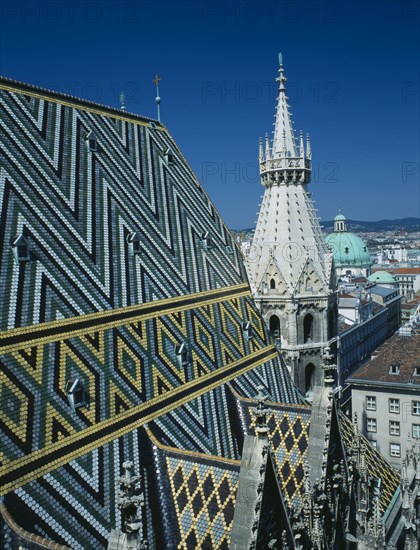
(25, 87)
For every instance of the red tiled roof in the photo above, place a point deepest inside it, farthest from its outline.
(402, 350)
(407, 270)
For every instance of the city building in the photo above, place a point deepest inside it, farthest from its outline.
(390, 298)
(383, 278)
(385, 396)
(389, 254)
(363, 326)
(290, 269)
(351, 256)
(143, 402)
(406, 277)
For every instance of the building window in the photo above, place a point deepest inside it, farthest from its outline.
(247, 330)
(371, 403)
(21, 250)
(308, 322)
(134, 246)
(206, 240)
(394, 428)
(416, 408)
(272, 284)
(416, 371)
(394, 369)
(394, 405)
(91, 141)
(371, 425)
(415, 430)
(275, 326)
(76, 394)
(309, 377)
(181, 353)
(394, 449)
(169, 157)
(374, 443)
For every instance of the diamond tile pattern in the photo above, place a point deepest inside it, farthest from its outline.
(204, 497)
(289, 434)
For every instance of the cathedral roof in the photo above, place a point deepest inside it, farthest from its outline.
(198, 492)
(127, 303)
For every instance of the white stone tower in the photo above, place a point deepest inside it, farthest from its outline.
(290, 268)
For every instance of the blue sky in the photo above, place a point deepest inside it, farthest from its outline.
(353, 75)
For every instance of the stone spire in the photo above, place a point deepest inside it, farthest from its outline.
(288, 262)
(284, 145)
(287, 222)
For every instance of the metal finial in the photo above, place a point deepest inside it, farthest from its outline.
(122, 101)
(280, 59)
(156, 81)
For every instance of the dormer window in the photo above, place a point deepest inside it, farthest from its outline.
(21, 249)
(416, 371)
(346, 250)
(394, 369)
(206, 240)
(181, 353)
(229, 250)
(76, 394)
(169, 157)
(247, 330)
(152, 125)
(134, 246)
(91, 141)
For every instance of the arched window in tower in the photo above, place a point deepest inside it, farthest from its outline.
(272, 284)
(308, 323)
(346, 250)
(274, 326)
(309, 377)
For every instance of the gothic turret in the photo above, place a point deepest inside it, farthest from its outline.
(289, 265)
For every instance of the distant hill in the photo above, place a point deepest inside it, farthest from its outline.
(404, 224)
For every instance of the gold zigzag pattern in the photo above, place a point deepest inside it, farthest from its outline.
(53, 331)
(38, 463)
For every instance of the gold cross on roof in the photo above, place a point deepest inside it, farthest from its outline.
(157, 79)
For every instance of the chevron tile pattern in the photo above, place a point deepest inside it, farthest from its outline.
(123, 258)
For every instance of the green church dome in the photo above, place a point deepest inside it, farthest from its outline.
(348, 249)
(382, 277)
